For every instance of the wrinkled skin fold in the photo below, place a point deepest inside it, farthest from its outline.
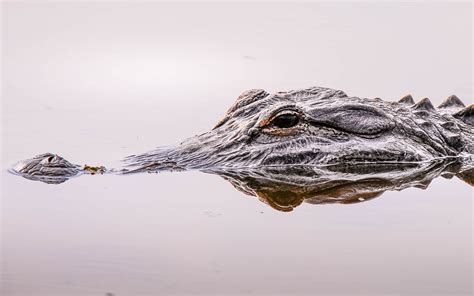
(316, 127)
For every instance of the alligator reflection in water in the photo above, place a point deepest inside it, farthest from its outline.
(286, 188)
(310, 145)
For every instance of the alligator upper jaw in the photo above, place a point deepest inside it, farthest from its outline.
(211, 149)
(158, 160)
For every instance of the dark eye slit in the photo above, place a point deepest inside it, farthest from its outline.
(285, 120)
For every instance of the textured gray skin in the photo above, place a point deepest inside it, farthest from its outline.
(48, 168)
(332, 129)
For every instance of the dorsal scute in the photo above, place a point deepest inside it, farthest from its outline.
(466, 115)
(451, 101)
(425, 105)
(408, 100)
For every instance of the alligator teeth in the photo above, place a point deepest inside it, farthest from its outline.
(451, 101)
(424, 105)
(466, 114)
(408, 99)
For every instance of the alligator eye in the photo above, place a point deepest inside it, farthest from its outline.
(285, 120)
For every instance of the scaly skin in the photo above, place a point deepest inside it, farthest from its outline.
(310, 127)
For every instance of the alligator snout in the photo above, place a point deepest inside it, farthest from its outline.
(312, 127)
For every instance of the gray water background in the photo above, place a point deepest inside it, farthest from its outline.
(96, 82)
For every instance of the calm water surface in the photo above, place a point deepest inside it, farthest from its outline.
(97, 90)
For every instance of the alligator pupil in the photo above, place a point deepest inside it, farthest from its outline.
(286, 121)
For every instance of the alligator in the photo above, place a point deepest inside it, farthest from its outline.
(315, 127)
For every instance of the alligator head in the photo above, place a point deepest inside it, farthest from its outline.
(320, 126)
(315, 127)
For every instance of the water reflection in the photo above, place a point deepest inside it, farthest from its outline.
(285, 188)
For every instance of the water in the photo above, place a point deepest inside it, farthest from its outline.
(97, 82)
